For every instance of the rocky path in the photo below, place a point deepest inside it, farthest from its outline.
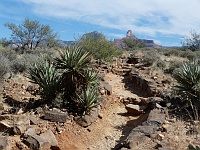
(121, 87)
(107, 133)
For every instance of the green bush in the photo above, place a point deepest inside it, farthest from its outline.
(99, 47)
(188, 88)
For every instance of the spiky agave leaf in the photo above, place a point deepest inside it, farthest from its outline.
(73, 62)
(188, 78)
(91, 78)
(88, 99)
(47, 77)
(72, 59)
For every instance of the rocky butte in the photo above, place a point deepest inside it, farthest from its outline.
(149, 43)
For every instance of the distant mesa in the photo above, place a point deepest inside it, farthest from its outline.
(149, 43)
(117, 42)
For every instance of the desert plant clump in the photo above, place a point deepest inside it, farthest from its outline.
(189, 55)
(18, 65)
(4, 65)
(99, 47)
(150, 57)
(172, 52)
(188, 88)
(88, 99)
(76, 77)
(46, 76)
(161, 64)
(173, 66)
(64, 78)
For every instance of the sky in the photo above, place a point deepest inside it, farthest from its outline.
(164, 21)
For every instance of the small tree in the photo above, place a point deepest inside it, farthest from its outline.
(31, 34)
(132, 43)
(99, 47)
(192, 42)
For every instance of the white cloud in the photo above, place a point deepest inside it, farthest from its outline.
(149, 17)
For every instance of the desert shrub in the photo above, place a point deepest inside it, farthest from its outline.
(76, 77)
(9, 53)
(18, 65)
(160, 64)
(189, 54)
(188, 88)
(192, 41)
(2, 48)
(170, 52)
(174, 65)
(150, 57)
(4, 65)
(31, 59)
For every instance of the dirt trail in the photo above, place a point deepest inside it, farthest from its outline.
(120, 86)
(106, 133)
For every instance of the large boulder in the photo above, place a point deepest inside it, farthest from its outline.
(44, 141)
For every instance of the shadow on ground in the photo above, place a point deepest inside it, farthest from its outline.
(133, 88)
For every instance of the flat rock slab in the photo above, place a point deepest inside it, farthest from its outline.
(147, 130)
(135, 139)
(157, 115)
(55, 116)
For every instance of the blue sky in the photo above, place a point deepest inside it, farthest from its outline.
(164, 21)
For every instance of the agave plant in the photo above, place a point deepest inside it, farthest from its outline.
(47, 77)
(72, 59)
(73, 62)
(88, 99)
(91, 78)
(188, 78)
